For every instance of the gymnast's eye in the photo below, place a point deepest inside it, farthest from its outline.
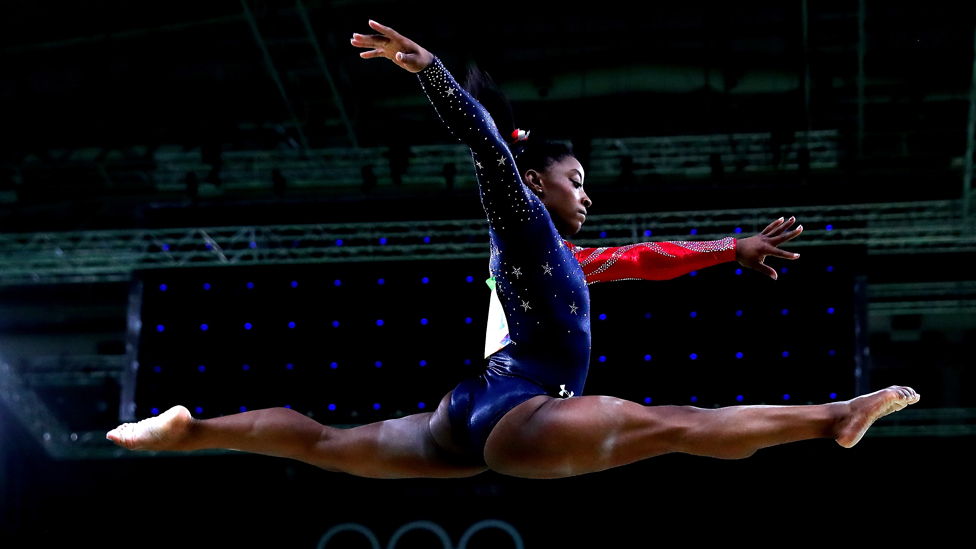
(577, 184)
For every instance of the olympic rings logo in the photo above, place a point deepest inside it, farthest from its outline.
(422, 525)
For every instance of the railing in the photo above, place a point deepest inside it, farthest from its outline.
(91, 256)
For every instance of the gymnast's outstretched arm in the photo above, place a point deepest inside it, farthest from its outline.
(505, 199)
(462, 113)
(667, 260)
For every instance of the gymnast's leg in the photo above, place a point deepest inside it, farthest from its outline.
(546, 437)
(413, 446)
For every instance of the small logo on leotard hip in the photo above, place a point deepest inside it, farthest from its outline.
(563, 393)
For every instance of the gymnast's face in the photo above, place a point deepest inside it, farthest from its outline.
(560, 187)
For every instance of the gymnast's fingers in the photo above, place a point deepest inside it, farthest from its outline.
(786, 237)
(776, 252)
(371, 54)
(771, 226)
(369, 40)
(384, 30)
(782, 227)
(766, 270)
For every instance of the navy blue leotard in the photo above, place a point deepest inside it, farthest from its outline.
(539, 281)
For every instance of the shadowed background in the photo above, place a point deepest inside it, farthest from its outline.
(198, 203)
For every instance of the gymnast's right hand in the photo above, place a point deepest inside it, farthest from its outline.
(393, 46)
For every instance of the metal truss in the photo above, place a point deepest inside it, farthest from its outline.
(102, 256)
(273, 72)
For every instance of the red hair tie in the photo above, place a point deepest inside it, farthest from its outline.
(519, 135)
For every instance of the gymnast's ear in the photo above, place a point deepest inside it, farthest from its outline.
(533, 180)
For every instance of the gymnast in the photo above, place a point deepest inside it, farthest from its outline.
(526, 414)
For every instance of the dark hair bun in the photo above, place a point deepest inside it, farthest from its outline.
(481, 86)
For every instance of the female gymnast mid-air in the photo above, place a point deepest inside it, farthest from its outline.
(526, 414)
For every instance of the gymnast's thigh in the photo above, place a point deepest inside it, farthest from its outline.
(549, 437)
(440, 427)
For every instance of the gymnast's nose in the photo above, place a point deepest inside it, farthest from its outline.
(585, 200)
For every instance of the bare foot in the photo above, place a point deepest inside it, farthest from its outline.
(866, 409)
(162, 432)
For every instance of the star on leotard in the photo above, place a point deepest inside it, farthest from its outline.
(525, 305)
(501, 161)
(573, 308)
(450, 91)
(517, 271)
(476, 163)
(547, 269)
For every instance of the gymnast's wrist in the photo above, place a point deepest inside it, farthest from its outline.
(431, 60)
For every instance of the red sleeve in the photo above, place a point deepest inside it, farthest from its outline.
(651, 260)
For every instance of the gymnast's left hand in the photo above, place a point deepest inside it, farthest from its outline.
(751, 252)
(392, 45)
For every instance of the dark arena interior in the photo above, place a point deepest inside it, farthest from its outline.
(220, 205)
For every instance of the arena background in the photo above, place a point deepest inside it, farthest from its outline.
(198, 203)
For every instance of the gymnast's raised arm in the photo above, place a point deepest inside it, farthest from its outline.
(462, 113)
(503, 196)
